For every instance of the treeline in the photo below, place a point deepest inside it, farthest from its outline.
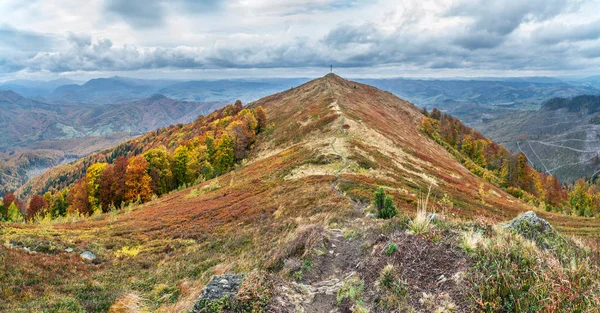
(154, 164)
(496, 164)
(574, 104)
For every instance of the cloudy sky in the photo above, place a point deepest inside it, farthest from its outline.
(47, 39)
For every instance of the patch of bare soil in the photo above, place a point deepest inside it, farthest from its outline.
(433, 273)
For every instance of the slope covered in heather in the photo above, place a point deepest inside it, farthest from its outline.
(292, 216)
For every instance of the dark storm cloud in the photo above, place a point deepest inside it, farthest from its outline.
(153, 13)
(137, 13)
(503, 17)
(491, 22)
(345, 35)
(552, 34)
(25, 40)
(479, 40)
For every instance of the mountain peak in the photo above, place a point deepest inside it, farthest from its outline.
(335, 79)
(9, 96)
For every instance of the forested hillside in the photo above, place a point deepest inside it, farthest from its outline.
(153, 164)
(511, 171)
(562, 138)
(36, 136)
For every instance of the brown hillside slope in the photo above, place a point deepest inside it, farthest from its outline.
(330, 143)
(382, 130)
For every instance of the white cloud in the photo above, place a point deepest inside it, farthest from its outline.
(433, 36)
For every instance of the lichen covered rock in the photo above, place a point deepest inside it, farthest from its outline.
(535, 228)
(218, 293)
(221, 286)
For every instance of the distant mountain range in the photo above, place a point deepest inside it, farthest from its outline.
(518, 92)
(121, 89)
(35, 135)
(25, 121)
(515, 93)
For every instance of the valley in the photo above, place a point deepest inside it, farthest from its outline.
(558, 140)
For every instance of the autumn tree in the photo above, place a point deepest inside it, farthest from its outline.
(8, 199)
(37, 205)
(14, 214)
(159, 169)
(48, 198)
(181, 158)
(59, 204)
(242, 136)
(554, 191)
(137, 180)
(209, 142)
(92, 175)
(579, 198)
(261, 118)
(249, 118)
(594, 192)
(107, 188)
(427, 126)
(238, 106)
(224, 154)
(78, 198)
(119, 170)
(436, 114)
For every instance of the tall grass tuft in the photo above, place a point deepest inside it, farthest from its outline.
(421, 223)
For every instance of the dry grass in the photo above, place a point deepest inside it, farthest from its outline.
(470, 240)
(421, 223)
(129, 303)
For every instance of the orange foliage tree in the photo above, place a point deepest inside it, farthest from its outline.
(78, 197)
(137, 180)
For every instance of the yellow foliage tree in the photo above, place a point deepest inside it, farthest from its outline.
(91, 176)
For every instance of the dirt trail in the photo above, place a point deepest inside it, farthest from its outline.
(338, 174)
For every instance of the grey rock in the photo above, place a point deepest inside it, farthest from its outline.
(226, 285)
(532, 227)
(292, 264)
(69, 250)
(222, 285)
(370, 215)
(87, 255)
(434, 217)
(529, 221)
